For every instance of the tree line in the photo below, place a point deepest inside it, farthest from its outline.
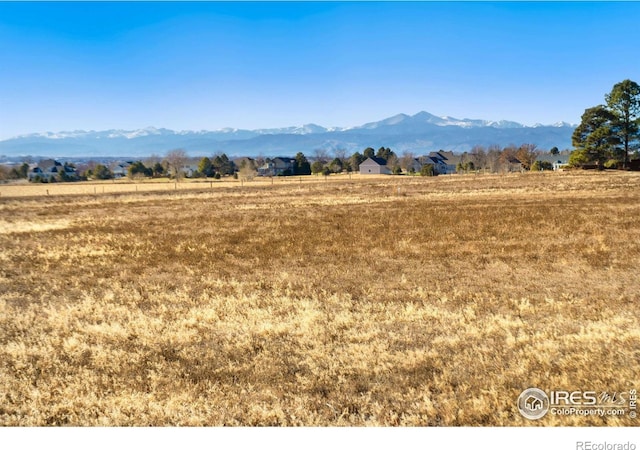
(14, 173)
(493, 158)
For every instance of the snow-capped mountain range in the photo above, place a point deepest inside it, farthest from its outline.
(420, 133)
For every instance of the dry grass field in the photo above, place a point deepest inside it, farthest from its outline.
(389, 301)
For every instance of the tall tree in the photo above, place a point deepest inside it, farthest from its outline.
(302, 166)
(320, 154)
(205, 167)
(624, 103)
(336, 165)
(594, 139)
(158, 169)
(317, 167)
(393, 163)
(223, 165)
(102, 172)
(527, 155)
(385, 153)
(355, 161)
(341, 154)
(406, 161)
(493, 157)
(509, 158)
(176, 159)
(479, 157)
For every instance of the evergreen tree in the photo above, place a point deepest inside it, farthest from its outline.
(302, 166)
(369, 153)
(223, 165)
(336, 165)
(138, 168)
(158, 169)
(205, 167)
(317, 167)
(102, 172)
(624, 103)
(385, 153)
(356, 159)
(594, 139)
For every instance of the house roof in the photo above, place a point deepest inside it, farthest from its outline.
(121, 165)
(284, 159)
(433, 160)
(437, 157)
(375, 159)
(450, 157)
(48, 164)
(562, 159)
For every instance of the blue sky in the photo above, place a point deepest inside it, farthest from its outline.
(209, 65)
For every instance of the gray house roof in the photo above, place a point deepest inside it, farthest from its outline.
(560, 158)
(378, 161)
(432, 160)
(49, 165)
(283, 163)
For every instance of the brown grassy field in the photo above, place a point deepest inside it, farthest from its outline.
(23, 188)
(392, 301)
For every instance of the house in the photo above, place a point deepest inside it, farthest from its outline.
(190, 167)
(559, 164)
(121, 169)
(52, 170)
(414, 166)
(443, 162)
(513, 164)
(557, 161)
(277, 166)
(533, 403)
(374, 165)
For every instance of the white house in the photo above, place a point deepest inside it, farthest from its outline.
(559, 165)
(374, 166)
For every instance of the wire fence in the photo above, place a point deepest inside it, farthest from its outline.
(125, 186)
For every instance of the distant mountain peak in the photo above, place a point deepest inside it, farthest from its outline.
(564, 124)
(417, 133)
